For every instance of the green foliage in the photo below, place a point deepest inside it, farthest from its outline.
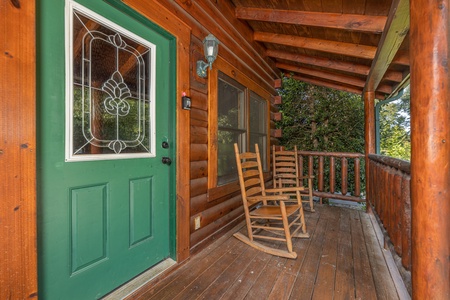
(395, 135)
(321, 119)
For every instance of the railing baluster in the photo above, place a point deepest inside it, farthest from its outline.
(406, 223)
(357, 178)
(398, 206)
(311, 165)
(389, 195)
(332, 174)
(320, 179)
(344, 174)
(300, 167)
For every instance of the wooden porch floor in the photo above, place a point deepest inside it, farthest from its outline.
(341, 260)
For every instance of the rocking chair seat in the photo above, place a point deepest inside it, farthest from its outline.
(273, 210)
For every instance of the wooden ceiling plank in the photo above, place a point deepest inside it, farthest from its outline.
(397, 27)
(348, 49)
(352, 22)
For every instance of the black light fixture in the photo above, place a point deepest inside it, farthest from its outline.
(210, 48)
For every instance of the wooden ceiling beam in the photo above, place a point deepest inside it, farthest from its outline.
(397, 27)
(320, 62)
(338, 78)
(348, 49)
(330, 85)
(350, 80)
(335, 86)
(352, 22)
(327, 63)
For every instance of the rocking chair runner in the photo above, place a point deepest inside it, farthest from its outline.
(286, 174)
(278, 218)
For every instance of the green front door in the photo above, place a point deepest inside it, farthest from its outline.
(106, 131)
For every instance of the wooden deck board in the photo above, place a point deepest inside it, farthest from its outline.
(324, 286)
(364, 284)
(383, 282)
(341, 260)
(304, 284)
(344, 284)
(199, 285)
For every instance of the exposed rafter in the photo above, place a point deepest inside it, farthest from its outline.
(338, 78)
(335, 86)
(331, 85)
(348, 49)
(320, 62)
(397, 27)
(335, 45)
(363, 23)
(323, 62)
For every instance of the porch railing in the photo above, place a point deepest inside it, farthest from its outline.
(389, 196)
(337, 174)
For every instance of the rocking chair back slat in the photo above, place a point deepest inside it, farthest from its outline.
(253, 191)
(250, 173)
(286, 172)
(251, 182)
(249, 164)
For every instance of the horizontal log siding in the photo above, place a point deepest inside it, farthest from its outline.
(390, 200)
(220, 212)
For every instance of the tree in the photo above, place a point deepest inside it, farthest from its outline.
(395, 132)
(321, 119)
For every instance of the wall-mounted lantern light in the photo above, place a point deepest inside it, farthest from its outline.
(211, 48)
(186, 102)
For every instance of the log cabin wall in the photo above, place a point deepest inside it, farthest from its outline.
(218, 208)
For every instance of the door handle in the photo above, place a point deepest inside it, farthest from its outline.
(166, 160)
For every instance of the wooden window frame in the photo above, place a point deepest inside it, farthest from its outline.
(220, 65)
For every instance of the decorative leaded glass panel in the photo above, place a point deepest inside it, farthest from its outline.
(111, 96)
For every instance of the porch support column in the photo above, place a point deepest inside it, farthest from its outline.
(430, 149)
(369, 137)
(18, 237)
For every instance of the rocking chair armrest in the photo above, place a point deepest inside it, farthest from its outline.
(285, 189)
(306, 177)
(269, 198)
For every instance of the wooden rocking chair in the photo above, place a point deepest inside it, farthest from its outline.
(286, 174)
(278, 218)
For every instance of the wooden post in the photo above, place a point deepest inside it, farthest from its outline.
(18, 263)
(369, 137)
(430, 149)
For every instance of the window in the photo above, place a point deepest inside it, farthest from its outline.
(231, 126)
(242, 119)
(110, 94)
(258, 126)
